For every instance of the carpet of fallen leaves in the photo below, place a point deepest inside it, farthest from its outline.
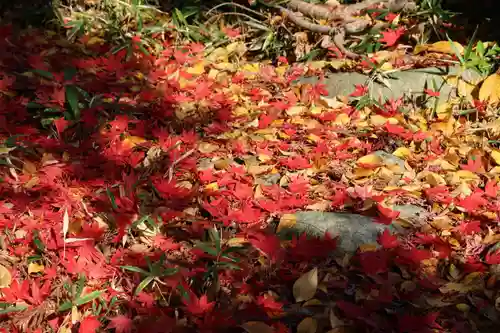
(138, 195)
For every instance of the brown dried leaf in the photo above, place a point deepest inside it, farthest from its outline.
(287, 221)
(308, 325)
(257, 327)
(305, 287)
(5, 277)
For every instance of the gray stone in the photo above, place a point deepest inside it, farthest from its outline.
(390, 159)
(352, 230)
(398, 83)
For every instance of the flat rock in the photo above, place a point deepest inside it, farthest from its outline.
(390, 159)
(352, 230)
(397, 84)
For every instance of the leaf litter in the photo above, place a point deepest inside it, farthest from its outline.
(138, 194)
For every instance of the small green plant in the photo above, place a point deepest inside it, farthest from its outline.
(483, 57)
(75, 291)
(75, 100)
(433, 14)
(155, 272)
(221, 256)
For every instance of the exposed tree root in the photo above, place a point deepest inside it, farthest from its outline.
(342, 18)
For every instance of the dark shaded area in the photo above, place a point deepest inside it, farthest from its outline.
(26, 12)
(98, 167)
(468, 15)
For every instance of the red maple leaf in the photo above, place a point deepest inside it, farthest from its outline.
(394, 129)
(121, 324)
(474, 264)
(199, 306)
(351, 310)
(469, 227)
(360, 90)
(170, 189)
(60, 124)
(473, 202)
(390, 17)
(414, 324)
(246, 214)
(296, 163)
(493, 258)
(242, 191)
(147, 300)
(491, 188)
(374, 262)
(268, 244)
(89, 325)
(165, 243)
(361, 192)
(390, 37)
(439, 194)
(298, 185)
(414, 255)
(306, 248)
(473, 164)
(265, 120)
(431, 92)
(387, 215)
(270, 305)
(387, 240)
(339, 198)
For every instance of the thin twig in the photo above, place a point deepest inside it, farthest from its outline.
(174, 163)
(218, 16)
(235, 5)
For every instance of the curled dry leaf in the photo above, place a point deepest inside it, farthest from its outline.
(308, 325)
(370, 160)
(335, 322)
(34, 267)
(490, 89)
(257, 327)
(5, 277)
(495, 155)
(445, 47)
(305, 287)
(287, 221)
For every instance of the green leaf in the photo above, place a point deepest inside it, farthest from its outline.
(33, 105)
(228, 265)
(35, 257)
(65, 306)
(69, 73)
(111, 197)
(135, 269)
(72, 99)
(457, 53)
(180, 16)
(470, 45)
(117, 49)
(269, 39)
(38, 244)
(15, 308)
(88, 298)
(169, 271)
(80, 284)
(207, 249)
(232, 249)
(143, 49)
(144, 283)
(140, 221)
(83, 92)
(214, 235)
(45, 74)
(480, 49)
